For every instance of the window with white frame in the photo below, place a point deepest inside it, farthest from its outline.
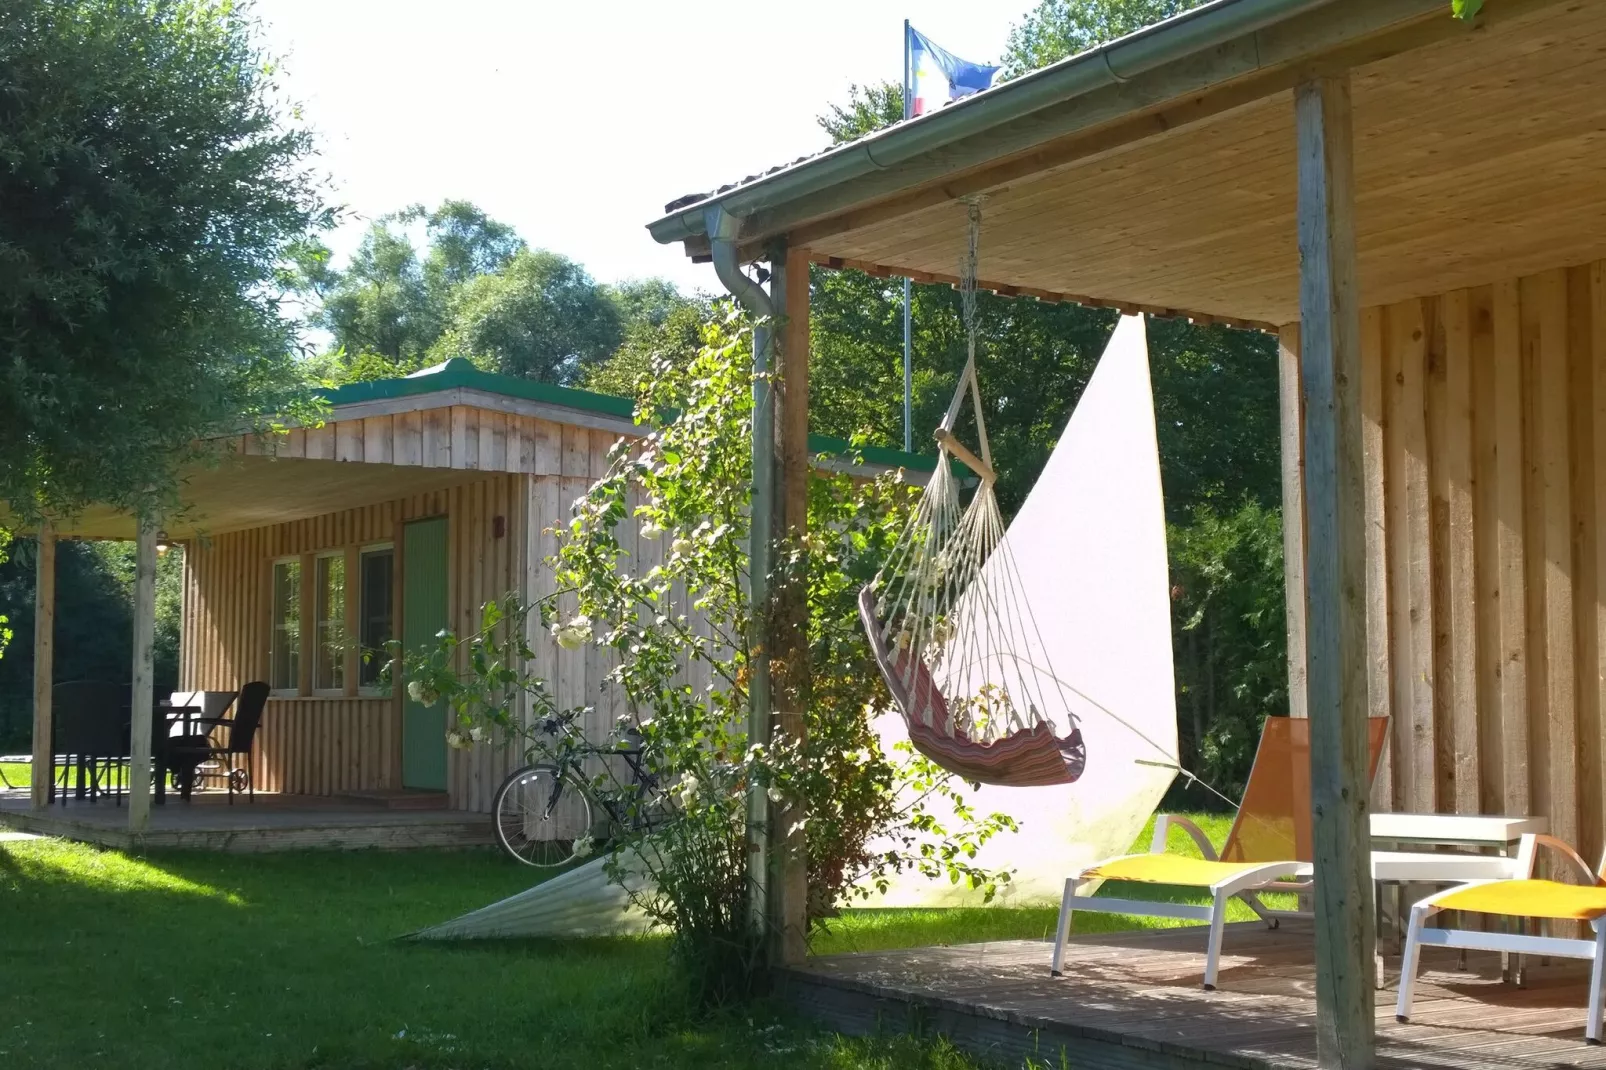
(376, 612)
(329, 651)
(285, 658)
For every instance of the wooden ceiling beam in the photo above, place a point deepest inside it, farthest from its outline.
(1003, 289)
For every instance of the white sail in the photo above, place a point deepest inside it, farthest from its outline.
(581, 902)
(1089, 544)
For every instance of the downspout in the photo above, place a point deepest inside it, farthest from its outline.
(722, 229)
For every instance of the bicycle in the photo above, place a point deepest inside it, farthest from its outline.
(543, 811)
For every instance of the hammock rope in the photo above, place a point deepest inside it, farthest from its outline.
(949, 622)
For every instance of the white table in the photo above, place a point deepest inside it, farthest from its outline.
(1484, 848)
(1456, 830)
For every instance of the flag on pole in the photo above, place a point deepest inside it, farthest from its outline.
(937, 76)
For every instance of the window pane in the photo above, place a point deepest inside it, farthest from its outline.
(329, 668)
(376, 613)
(285, 669)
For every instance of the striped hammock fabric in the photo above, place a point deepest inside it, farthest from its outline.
(1028, 758)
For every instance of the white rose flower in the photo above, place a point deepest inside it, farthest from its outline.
(775, 795)
(477, 733)
(415, 690)
(651, 531)
(688, 789)
(681, 546)
(574, 634)
(456, 740)
(584, 846)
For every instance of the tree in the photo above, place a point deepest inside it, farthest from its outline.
(477, 291)
(389, 307)
(1056, 29)
(869, 107)
(380, 304)
(541, 317)
(94, 623)
(464, 243)
(649, 302)
(672, 343)
(150, 186)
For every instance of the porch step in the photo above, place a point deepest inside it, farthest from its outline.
(400, 800)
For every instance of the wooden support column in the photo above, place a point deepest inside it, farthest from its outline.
(142, 697)
(1335, 510)
(44, 657)
(789, 638)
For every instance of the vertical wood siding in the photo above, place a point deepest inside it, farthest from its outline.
(456, 436)
(1485, 427)
(324, 746)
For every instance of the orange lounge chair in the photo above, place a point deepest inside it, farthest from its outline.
(1268, 846)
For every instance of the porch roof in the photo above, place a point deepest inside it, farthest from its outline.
(250, 481)
(1158, 173)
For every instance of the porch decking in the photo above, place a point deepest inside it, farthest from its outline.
(1132, 1000)
(274, 822)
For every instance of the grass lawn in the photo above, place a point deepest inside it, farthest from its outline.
(15, 773)
(184, 960)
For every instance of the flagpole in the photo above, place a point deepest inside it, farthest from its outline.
(908, 373)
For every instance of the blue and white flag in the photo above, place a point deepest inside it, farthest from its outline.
(937, 76)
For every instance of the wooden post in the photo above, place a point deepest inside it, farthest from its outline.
(789, 619)
(44, 657)
(1335, 510)
(141, 698)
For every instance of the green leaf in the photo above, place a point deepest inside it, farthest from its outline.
(1466, 10)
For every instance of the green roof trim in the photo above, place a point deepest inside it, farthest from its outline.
(459, 373)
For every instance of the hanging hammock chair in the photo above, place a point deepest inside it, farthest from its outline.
(948, 625)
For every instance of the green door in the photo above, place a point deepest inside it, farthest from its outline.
(424, 614)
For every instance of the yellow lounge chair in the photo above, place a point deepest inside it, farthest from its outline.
(1523, 898)
(1269, 843)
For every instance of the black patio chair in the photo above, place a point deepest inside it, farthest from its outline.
(88, 735)
(231, 759)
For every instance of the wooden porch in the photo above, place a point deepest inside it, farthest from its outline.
(274, 822)
(1134, 999)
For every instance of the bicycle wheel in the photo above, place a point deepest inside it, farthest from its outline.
(539, 815)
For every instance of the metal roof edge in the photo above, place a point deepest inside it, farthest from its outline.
(458, 372)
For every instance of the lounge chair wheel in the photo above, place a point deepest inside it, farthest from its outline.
(1276, 923)
(1056, 973)
(1402, 1018)
(1592, 1040)
(1209, 988)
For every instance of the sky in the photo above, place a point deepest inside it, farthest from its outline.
(577, 121)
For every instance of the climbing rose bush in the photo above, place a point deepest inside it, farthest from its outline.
(680, 498)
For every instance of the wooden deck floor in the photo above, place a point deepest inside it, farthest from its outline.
(1134, 1000)
(272, 823)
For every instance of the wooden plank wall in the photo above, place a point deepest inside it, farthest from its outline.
(1485, 414)
(455, 436)
(320, 745)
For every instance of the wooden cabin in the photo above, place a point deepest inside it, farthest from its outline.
(1414, 204)
(417, 500)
